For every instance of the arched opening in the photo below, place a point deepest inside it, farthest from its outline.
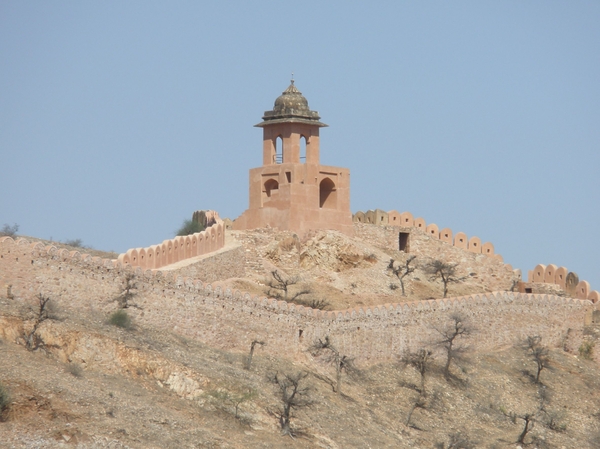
(278, 150)
(303, 141)
(327, 194)
(271, 188)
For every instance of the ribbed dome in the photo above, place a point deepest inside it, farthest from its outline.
(291, 102)
(291, 106)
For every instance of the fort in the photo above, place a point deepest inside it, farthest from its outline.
(181, 281)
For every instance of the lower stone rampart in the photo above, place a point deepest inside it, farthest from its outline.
(231, 320)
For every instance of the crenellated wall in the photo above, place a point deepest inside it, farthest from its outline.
(565, 279)
(405, 219)
(231, 320)
(176, 249)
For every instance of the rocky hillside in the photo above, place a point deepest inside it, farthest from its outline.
(79, 377)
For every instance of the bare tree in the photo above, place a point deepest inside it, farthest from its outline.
(419, 402)
(530, 418)
(252, 346)
(293, 395)
(32, 341)
(279, 287)
(332, 355)
(447, 272)
(538, 353)
(421, 361)
(451, 337)
(402, 270)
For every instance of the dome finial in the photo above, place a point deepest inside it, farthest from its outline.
(292, 77)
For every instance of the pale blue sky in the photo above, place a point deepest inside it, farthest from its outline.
(119, 119)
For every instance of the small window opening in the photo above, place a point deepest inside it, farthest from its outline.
(403, 241)
(278, 150)
(302, 149)
(300, 332)
(528, 290)
(288, 175)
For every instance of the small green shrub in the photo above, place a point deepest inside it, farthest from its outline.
(120, 319)
(586, 350)
(190, 227)
(4, 402)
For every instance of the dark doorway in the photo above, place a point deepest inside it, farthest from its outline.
(403, 241)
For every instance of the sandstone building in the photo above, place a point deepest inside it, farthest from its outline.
(292, 190)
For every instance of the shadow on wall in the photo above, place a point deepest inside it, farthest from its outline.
(565, 279)
(177, 249)
(394, 218)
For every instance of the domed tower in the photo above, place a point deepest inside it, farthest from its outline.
(292, 191)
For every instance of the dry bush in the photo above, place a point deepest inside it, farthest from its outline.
(230, 402)
(75, 369)
(9, 231)
(5, 400)
(586, 350)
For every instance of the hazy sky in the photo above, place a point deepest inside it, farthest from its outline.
(119, 119)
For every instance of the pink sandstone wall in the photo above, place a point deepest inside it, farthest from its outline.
(567, 281)
(230, 320)
(178, 248)
(405, 219)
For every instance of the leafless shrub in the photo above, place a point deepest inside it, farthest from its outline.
(402, 270)
(251, 354)
(76, 243)
(420, 361)
(332, 356)
(314, 303)
(451, 337)
(32, 340)
(8, 230)
(446, 272)
(293, 394)
(279, 287)
(538, 353)
(419, 401)
(530, 418)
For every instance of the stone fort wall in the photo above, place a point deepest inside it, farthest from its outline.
(231, 320)
(566, 280)
(406, 219)
(178, 248)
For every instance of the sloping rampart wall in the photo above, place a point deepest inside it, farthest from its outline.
(231, 320)
(406, 219)
(176, 249)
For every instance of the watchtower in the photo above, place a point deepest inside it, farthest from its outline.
(292, 191)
